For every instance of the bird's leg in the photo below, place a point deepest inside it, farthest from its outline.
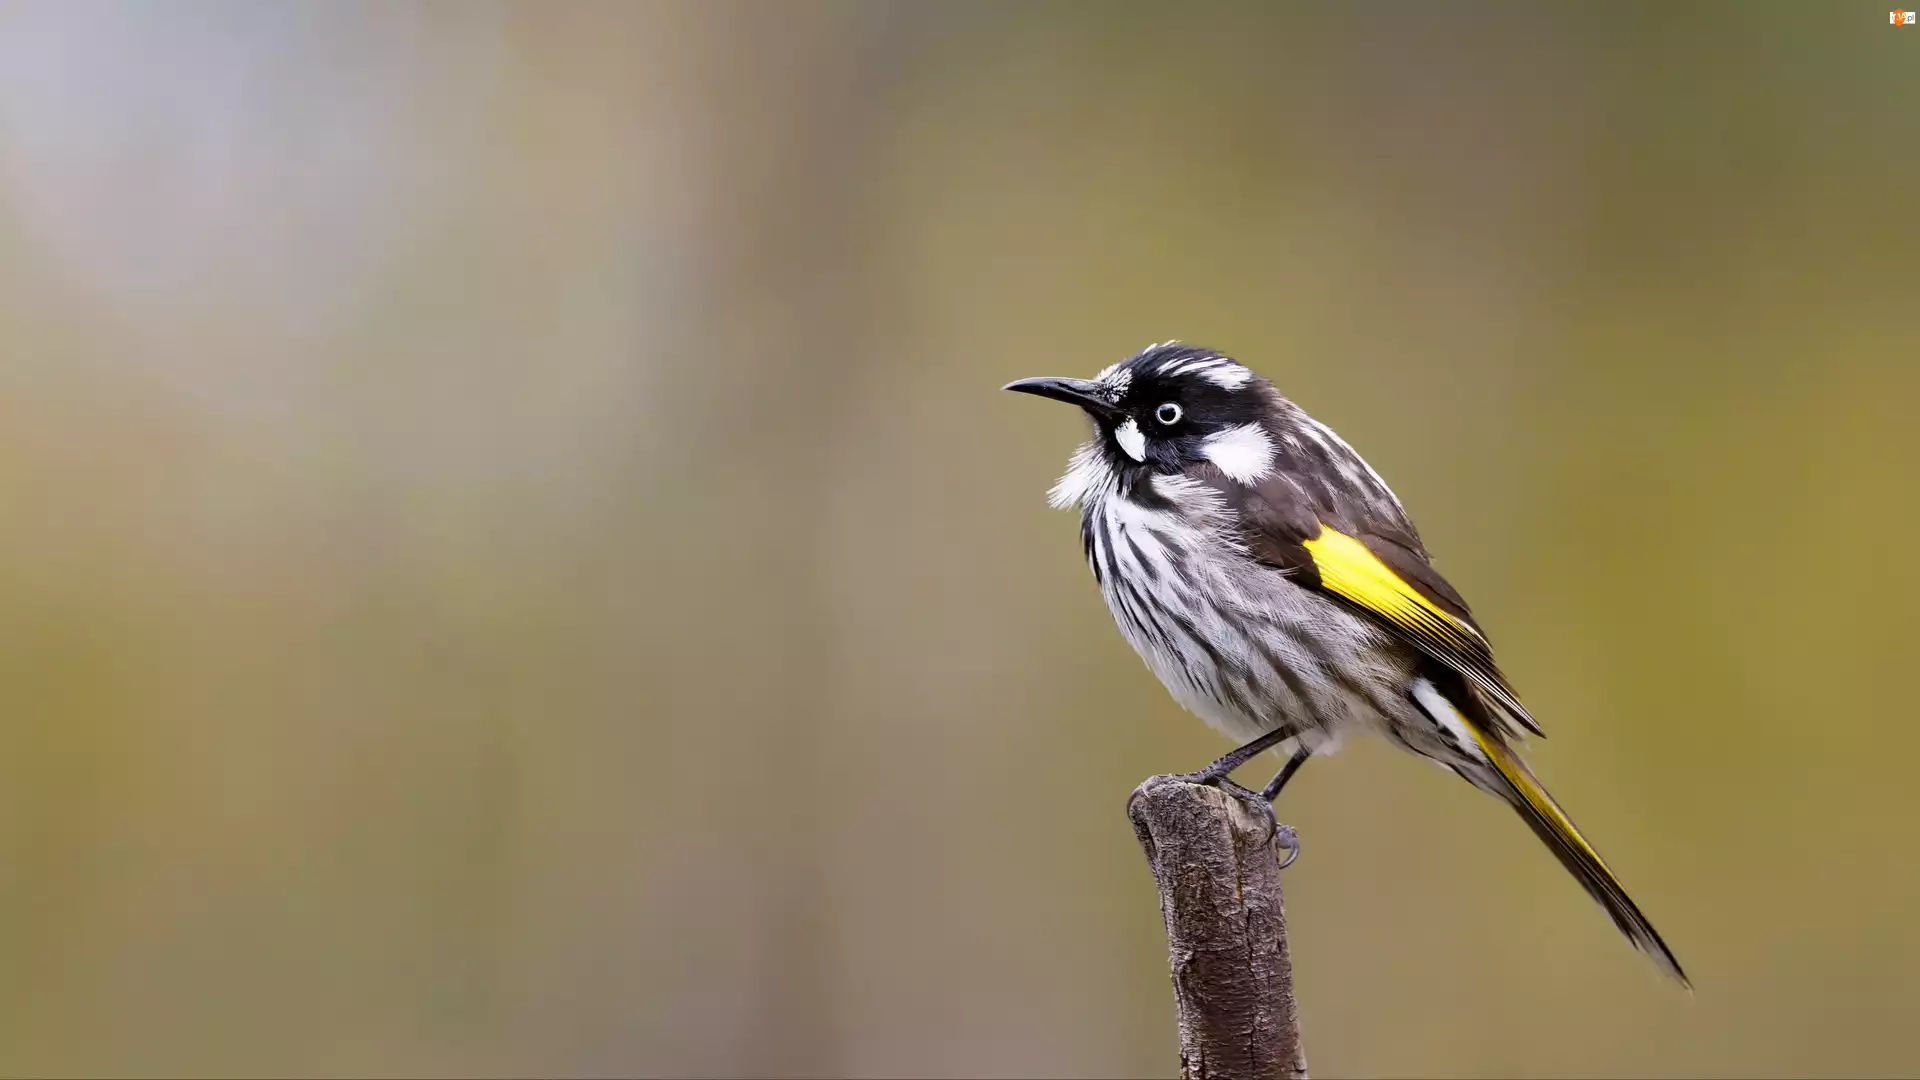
(1219, 772)
(1272, 790)
(1284, 833)
(1222, 767)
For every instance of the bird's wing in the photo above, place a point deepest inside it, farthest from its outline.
(1371, 561)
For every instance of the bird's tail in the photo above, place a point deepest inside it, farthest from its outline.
(1516, 783)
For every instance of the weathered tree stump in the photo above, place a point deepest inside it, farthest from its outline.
(1217, 862)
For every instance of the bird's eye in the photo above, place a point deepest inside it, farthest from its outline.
(1167, 413)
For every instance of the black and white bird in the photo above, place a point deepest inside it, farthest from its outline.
(1272, 581)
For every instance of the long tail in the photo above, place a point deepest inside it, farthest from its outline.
(1556, 830)
(1497, 769)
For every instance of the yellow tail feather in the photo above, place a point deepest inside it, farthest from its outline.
(1557, 831)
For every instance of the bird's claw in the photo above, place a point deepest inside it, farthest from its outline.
(1287, 837)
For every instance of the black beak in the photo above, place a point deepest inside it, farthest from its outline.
(1079, 392)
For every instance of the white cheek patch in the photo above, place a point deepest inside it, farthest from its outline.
(1244, 453)
(1130, 438)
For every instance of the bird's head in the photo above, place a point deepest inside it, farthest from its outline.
(1172, 407)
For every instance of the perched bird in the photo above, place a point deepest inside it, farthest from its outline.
(1273, 582)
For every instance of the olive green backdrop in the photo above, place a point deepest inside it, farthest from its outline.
(514, 560)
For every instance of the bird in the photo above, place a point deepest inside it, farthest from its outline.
(1275, 585)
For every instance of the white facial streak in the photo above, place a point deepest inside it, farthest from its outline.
(1217, 370)
(1226, 374)
(1130, 438)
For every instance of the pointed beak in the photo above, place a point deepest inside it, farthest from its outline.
(1079, 392)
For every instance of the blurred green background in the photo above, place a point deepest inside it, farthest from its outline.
(515, 560)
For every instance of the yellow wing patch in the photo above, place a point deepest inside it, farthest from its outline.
(1352, 572)
(1348, 568)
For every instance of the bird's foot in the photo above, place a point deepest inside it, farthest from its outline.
(1284, 836)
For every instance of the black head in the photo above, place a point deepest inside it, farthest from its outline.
(1172, 406)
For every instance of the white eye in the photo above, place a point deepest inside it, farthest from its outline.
(1167, 413)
